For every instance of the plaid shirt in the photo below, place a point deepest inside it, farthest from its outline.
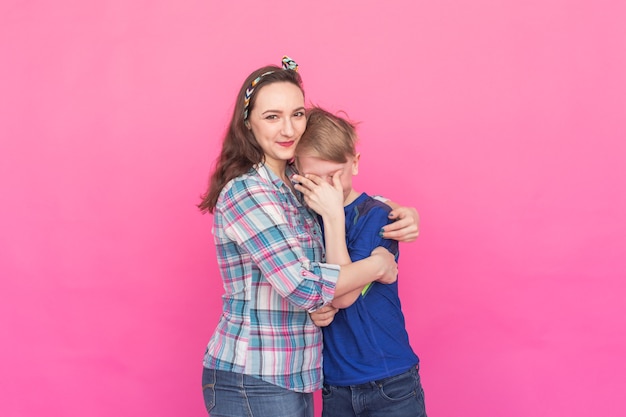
(269, 249)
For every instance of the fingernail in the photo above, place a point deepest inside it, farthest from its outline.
(382, 231)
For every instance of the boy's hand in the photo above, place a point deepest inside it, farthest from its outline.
(405, 228)
(324, 316)
(325, 199)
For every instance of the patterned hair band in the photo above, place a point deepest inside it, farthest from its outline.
(288, 64)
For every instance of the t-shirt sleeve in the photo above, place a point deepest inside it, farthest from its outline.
(366, 237)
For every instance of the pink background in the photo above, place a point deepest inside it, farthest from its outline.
(503, 122)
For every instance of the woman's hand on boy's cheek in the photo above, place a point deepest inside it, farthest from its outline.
(405, 228)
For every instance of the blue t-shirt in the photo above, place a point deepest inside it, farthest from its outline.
(368, 340)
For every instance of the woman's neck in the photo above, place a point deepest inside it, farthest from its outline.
(278, 168)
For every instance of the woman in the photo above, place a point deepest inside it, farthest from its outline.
(264, 358)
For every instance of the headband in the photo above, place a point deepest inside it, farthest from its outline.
(288, 64)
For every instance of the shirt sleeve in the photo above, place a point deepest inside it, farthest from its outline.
(366, 237)
(256, 222)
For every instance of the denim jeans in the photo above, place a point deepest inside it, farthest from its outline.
(229, 394)
(397, 396)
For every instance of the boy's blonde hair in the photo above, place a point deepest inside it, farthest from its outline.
(327, 136)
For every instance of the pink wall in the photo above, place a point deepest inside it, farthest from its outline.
(503, 122)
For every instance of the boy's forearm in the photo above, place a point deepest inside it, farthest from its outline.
(337, 253)
(335, 241)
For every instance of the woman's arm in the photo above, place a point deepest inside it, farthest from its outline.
(405, 228)
(380, 266)
(327, 200)
(255, 221)
(325, 315)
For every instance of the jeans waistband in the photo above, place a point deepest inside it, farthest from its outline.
(378, 382)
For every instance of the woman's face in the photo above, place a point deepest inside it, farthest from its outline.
(277, 122)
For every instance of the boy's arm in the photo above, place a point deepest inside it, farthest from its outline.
(324, 201)
(327, 201)
(322, 317)
(368, 237)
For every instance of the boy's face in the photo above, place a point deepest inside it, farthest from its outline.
(310, 164)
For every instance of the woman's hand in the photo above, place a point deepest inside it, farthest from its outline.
(325, 199)
(324, 316)
(389, 267)
(405, 228)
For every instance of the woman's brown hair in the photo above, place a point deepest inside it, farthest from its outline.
(240, 150)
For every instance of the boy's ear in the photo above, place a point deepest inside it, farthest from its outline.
(355, 164)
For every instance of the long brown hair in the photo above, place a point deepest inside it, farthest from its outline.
(240, 150)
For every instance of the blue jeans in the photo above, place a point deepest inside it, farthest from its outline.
(229, 394)
(397, 396)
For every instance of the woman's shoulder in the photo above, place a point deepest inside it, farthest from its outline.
(244, 197)
(246, 184)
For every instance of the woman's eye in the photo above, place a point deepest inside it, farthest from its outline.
(299, 114)
(271, 117)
